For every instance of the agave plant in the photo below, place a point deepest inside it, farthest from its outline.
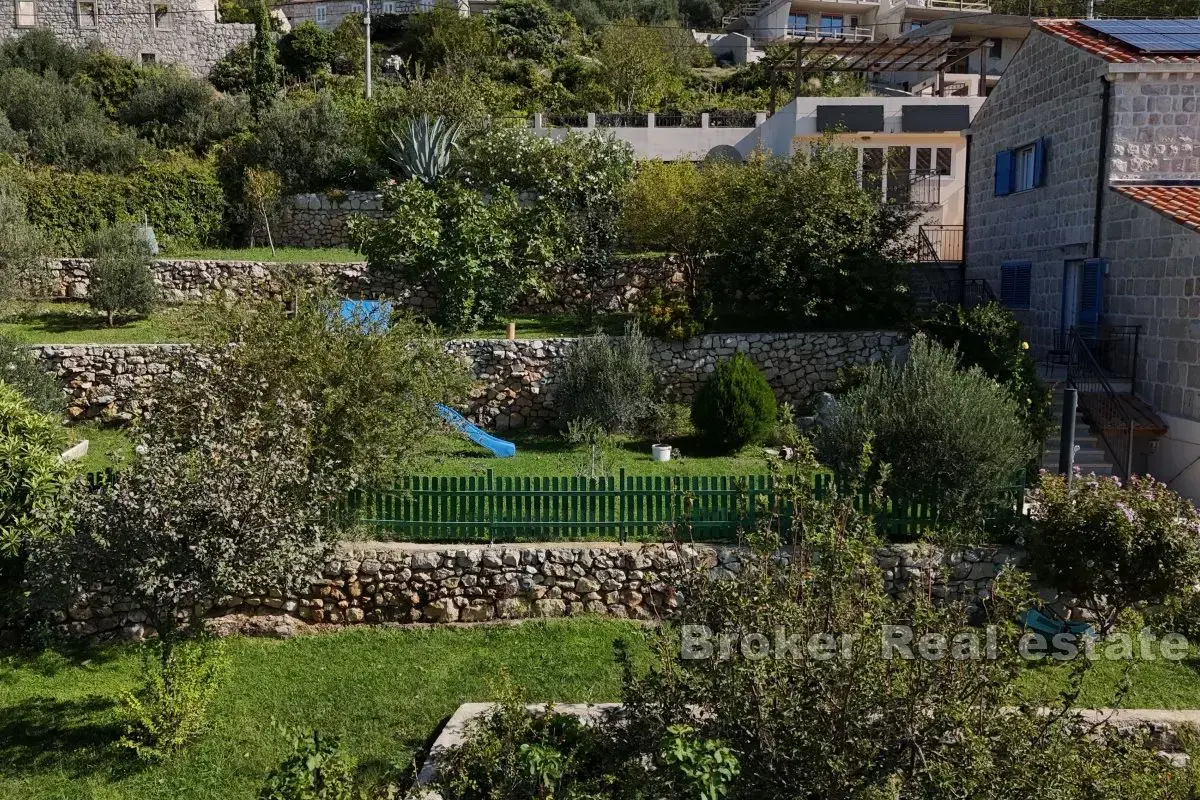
(425, 148)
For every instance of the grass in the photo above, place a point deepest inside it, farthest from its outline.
(383, 691)
(75, 323)
(550, 454)
(283, 255)
(107, 447)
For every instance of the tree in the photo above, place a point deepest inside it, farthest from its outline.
(263, 193)
(234, 71)
(444, 41)
(607, 380)
(266, 76)
(532, 29)
(476, 256)
(638, 65)
(735, 406)
(120, 278)
(665, 207)
(306, 50)
(21, 370)
(24, 249)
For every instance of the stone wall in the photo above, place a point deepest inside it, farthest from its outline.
(319, 220)
(1155, 120)
(515, 379)
(409, 583)
(188, 280)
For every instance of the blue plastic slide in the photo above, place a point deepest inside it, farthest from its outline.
(499, 447)
(372, 315)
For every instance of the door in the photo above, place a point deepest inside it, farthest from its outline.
(1071, 290)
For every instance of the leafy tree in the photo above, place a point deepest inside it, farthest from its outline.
(349, 47)
(532, 29)
(639, 66)
(1114, 547)
(174, 110)
(24, 249)
(950, 436)
(735, 406)
(263, 197)
(306, 50)
(607, 380)
(665, 207)
(476, 256)
(266, 75)
(41, 52)
(21, 370)
(109, 79)
(233, 72)
(443, 40)
(120, 278)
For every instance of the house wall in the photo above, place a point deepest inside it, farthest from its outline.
(192, 37)
(1155, 127)
(1055, 90)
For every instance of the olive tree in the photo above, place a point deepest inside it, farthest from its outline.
(120, 278)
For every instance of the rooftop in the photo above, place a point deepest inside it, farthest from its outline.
(1111, 50)
(1180, 203)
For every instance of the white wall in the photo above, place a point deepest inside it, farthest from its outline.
(668, 144)
(1178, 457)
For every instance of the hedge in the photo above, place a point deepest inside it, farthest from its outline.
(182, 200)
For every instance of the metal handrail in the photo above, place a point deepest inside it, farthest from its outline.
(1086, 376)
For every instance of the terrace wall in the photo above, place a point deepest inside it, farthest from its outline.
(406, 583)
(515, 379)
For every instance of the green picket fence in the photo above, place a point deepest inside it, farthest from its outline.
(490, 508)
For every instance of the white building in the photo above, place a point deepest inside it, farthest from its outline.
(328, 14)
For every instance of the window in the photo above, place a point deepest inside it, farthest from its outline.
(1021, 169)
(997, 49)
(26, 13)
(320, 13)
(389, 8)
(831, 24)
(797, 23)
(924, 159)
(914, 25)
(1016, 278)
(85, 13)
(356, 8)
(945, 156)
(145, 59)
(160, 18)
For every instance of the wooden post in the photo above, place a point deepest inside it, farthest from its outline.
(510, 331)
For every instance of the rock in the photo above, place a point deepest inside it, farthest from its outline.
(440, 611)
(550, 608)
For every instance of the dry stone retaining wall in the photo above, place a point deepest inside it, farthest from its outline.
(515, 379)
(439, 584)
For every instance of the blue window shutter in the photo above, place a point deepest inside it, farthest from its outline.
(1092, 290)
(1039, 162)
(1004, 168)
(1016, 284)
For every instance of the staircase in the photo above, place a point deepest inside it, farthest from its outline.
(743, 12)
(1090, 455)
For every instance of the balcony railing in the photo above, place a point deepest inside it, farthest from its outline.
(919, 187)
(816, 32)
(943, 243)
(950, 5)
(723, 118)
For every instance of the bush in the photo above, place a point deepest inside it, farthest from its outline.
(950, 436)
(668, 421)
(24, 248)
(1114, 546)
(176, 111)
(181, 199)
(120, 277)
(232, 72)
(21, 370)
(668, 315)
(170, 709)
(316, 769)
(609, 380)
(306, 51)
(735, 406)
(989, 337)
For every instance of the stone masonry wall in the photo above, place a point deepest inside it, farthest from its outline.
(1155, 127)
(515, 379)
(408, 583)
(186, 280)
(319, 220)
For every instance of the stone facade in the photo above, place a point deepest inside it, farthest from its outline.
(515, 379)
(1155, 127)
(1053, 222)
(186, 280)
(319, 220)
(185, 32)
(374, 582)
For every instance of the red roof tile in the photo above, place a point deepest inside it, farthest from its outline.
(1109, 49)
(1180, 203)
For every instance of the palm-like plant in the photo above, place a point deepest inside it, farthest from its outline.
(425, 148)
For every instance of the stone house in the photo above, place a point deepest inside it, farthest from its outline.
(1083, 204)
(328, 14)
(185, 32)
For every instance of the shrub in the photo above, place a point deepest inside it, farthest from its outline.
(170, 709)
(120, 277)
(735, 406)
(950, 436)
(21, 370)
(989, 337)
(24, 248)
(666, 314)
(306, 50)
(232, 71)
(609, 380)
(176, 111)
(316, 769)
(1114, 546)
(668, 421)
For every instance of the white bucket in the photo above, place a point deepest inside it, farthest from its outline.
(660, 452)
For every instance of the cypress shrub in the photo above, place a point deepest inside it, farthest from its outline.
(735, 406)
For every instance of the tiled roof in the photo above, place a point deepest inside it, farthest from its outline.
(1109, 49)
(1180, 203)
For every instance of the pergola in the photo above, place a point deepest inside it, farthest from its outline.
(935, 54)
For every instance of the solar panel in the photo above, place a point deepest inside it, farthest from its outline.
(1151, 35)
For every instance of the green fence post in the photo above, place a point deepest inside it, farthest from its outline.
(491, 514)
(621, 503)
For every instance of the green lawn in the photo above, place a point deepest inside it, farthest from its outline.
(384, 691)
(107, 447)
(75, 323)
(550, 455)
(291, 255)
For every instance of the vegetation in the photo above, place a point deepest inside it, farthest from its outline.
(120, 277)
(735, 406)
(24, 248)
(77, 323)
(608, 381)
(949, 436)
(1115, 547)
(20, 370)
